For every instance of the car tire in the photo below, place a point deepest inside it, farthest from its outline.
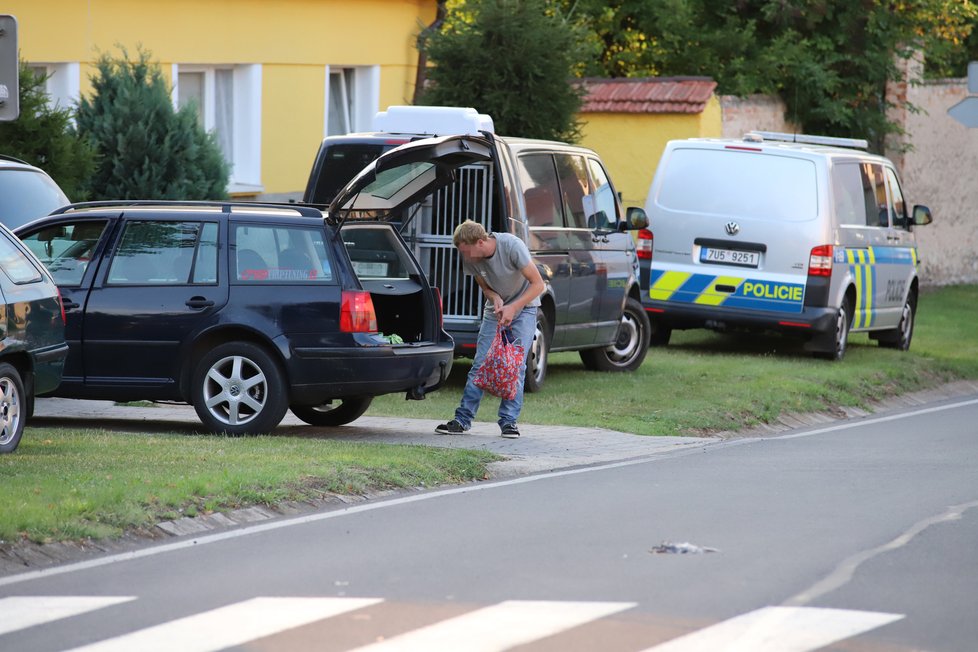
(330, 414)
(536, 356)
(840, 336)
(659, 333)
(239, 389)
(12, 408)
(899, 338)
(631, 343)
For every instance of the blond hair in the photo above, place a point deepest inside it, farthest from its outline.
(469, 232)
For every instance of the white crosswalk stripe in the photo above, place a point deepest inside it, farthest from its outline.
(499, 627)
(28, 611)
(232, 625)
(779, 629)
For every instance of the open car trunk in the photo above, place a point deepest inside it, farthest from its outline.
(402, 299)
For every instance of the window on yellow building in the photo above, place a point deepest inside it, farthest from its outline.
(352, 99)
(62, 85)
(228, 102)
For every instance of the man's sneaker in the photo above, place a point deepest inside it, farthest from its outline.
(510, 431)
(453, 427)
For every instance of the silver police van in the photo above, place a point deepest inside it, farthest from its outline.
(787, 232)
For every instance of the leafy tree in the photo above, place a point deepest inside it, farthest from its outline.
(43, 135)
(512, 59)
(829, 60)
(147, 150)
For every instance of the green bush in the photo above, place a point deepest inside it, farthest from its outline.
(146, 149)
(512, 59)
(44, 136)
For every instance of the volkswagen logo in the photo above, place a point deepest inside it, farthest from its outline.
(732, 228)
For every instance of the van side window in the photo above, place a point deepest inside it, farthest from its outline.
(574, 187)
(603, 209)
(847, 190)
(540, 190)
(898, 208)
(874, 195)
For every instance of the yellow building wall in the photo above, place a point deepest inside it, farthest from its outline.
(630, 144)
(294, 40)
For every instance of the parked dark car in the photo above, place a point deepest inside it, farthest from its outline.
(26, 192)
(32, 348)
(246, 310)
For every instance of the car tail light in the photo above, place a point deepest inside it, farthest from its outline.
(645, 239)
(61, 302)
(820, 261)
(357, 314)
(441, 311)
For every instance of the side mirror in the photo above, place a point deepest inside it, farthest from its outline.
(921, 215)
(635, 219)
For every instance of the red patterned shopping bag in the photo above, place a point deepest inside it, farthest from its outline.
(500, 371)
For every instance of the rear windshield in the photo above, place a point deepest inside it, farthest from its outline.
(26, 195)
(376, 252)
(341, 164)
(734, 183)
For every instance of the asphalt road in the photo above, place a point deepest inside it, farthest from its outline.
(855, 535)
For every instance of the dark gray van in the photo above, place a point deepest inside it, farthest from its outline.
(557, 197)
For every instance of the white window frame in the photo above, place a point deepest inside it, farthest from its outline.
(63, 86)
(246, 95)
(362, 95)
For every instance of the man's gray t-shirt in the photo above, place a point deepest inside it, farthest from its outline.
(501, 271)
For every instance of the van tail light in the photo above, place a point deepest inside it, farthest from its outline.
(441, 311)
(820, 261)
(357, 314)
(644, 249)
(61, 302)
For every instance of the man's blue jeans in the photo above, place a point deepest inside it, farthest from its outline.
(523, 327)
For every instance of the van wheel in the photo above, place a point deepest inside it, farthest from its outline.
(536, 357)
(12, 405)
(338, 412)
(660, 333)
(899, 338)
(631, 344)
(238, 389)
(843, 320)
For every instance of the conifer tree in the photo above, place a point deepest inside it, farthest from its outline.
(146, 148)
(43, 135)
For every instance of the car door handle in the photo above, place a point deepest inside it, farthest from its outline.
(68, 304)
(199, 302)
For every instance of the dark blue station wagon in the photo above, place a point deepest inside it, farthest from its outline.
(246, 310)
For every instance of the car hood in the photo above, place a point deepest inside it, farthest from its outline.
(404, 176)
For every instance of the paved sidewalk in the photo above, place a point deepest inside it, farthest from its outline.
(540, 449)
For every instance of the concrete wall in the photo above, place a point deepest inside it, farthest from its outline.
(941, 171)
(938, 164)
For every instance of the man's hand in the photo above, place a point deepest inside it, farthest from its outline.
(505, 314)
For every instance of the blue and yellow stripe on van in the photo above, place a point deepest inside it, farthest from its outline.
(863, 265)
(725, 291)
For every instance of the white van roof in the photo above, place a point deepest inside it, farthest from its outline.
(432, 120)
